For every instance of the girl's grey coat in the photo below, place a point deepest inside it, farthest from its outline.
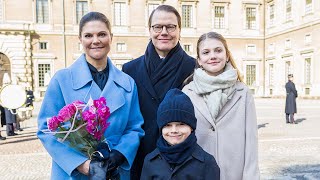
(124, 132)
(232, 140)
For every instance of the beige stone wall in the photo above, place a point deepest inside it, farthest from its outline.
(19, 18)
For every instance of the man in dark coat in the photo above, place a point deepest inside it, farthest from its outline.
(164, 66)
(11, 118)
(3, 121)
(292, 94)
(30, 98)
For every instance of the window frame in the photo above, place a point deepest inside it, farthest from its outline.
(48, 11)
(288, 14)
(308, 8)
(46, 44)
(254, 46)
(123, 46)
(223, 20)
(307, 42)
(124, 20)
(271, 48)
(271, 20)
(271, 74)
(191, 16)
(287, 44)
(2, 11)
(254, 83)
(190, 47)
(77, 19)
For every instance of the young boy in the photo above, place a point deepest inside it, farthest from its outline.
(178, 156)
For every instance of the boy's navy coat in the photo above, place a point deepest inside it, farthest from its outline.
(124, 132)
(199, 166)
(149, 102)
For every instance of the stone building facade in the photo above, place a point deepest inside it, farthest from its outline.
(39, 37)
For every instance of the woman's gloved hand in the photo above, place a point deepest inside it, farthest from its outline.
(98, 170)
(115, 160)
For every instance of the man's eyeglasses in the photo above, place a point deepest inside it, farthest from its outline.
(158, 28)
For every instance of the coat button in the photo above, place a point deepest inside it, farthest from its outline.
(153, 98)
(212, 128)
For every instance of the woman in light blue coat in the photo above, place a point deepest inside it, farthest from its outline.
(93, 75)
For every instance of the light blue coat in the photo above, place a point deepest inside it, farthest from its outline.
(76, 83)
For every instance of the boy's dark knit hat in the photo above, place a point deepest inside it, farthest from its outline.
(176, 107)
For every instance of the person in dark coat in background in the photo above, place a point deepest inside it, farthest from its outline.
(3, 121)
(164, 66)
(292, 94)
(11, 117)
(178, 155)
(30, 97)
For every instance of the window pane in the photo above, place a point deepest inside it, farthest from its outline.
(251, 18)
(287, 69)
(251, 75)
(219, 17)
(42, 11)
(271, 73)
(120, 14)
(81, 9)
(308, 71)
(121, 47)
(308, 6)
(43, 45)
(271, 14)
(42, 70)
(186, 16)
(187, 47)
(251, 49)
(151, 7)
(1, 10)
(307, 39)
(288, 9)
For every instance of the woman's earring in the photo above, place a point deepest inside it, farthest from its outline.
(201, 67)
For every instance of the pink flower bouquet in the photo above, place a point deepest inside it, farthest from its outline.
(82, 125)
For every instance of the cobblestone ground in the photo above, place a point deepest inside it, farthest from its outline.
(289, 151)
(23, 157)
(286, 151)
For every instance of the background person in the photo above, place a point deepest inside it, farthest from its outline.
(178, 156)
(3, 121)
(291, 105)
(93, 75)
(225, 110)
(164, 66)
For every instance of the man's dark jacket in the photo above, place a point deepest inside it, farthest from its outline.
(149, 103)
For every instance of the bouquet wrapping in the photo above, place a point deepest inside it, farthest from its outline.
(81, 125)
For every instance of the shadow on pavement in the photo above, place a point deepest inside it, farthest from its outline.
(302, 172)
(300, 120)
(19, 136)
(20, 140)
(262, 125)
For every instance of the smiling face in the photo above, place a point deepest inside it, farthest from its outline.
(212, 56)
(96, 41)
(164, 41)
(176, 132)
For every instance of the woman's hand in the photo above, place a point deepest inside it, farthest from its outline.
(84, 167)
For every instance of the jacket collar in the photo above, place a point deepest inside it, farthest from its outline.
(197, 154)
(80, 74)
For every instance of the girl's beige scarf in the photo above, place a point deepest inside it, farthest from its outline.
(216, 90)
